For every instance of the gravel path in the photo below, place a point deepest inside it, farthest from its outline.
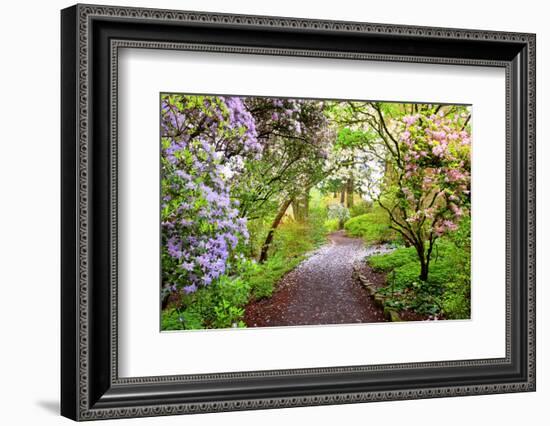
(320, 290)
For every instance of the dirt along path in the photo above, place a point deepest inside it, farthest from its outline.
(320, 290)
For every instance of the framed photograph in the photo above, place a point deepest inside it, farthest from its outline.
(263, 212)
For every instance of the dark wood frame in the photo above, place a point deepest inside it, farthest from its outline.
(91, 37)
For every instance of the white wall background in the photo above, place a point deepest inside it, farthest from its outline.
(29, 213)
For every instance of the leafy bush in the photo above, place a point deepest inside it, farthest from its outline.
(216, 306)
(257, 230)
(362, 207)
(174, 319)
(406, 274)
(395, 259)
(291, 239)
(294, 238)
(373, 227)
(227, 315)
(264, 280)
(331, 225)
(196, 195)
(317, 232)
(456, 300)
(447, 291)
(339, 212)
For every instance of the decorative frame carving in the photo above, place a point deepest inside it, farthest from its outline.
(91, 388)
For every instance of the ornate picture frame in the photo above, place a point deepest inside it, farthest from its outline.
(91, 37)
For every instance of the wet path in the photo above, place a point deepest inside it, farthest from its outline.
(320, 290)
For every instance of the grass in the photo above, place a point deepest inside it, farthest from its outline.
(373, 227)
(264, 280)
(446, 293)
(393, 260)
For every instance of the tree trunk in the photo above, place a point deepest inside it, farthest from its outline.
(300, 206)
(424, 269)
(424, 262)
(342, 203)
(296, 210)
(271, 233)
(350, 192)
(306, 203)
(424, 273)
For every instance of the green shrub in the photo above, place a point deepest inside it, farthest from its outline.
(406, 275)
(339, 212)
(174, 319)
(291, 239)
(362, 207)
(373, 227)
(398, 257)
(268, 275)
(456, 300)
(447, 291)
(294, 238)
(331, 225)
(257, 230)
(227, 315)
(216, 306)
(233, 290)
(317, 232)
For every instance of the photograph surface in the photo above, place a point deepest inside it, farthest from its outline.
(291, 212)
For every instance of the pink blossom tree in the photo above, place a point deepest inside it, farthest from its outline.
(426, 189)
(424, 151)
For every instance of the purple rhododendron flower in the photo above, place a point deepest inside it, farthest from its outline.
(188, 289)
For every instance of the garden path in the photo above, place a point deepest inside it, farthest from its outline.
(320, 290)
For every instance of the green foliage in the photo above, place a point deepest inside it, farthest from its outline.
(360, 208)
(174, 319)
(447, 291)
(257, 230)
(264, 281)
(289, 239)
(227, 314)
(348, 138)
(405, 275)
(292, 236)
(456, 300)
(216, 306)
(393, 260)
(338, 211)
(222, 304)
(317, 233)
(316, 199)
(292, 240)
(462, 236)
(373, 227)
(331, 225)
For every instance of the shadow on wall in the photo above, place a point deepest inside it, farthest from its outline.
(50, 406)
